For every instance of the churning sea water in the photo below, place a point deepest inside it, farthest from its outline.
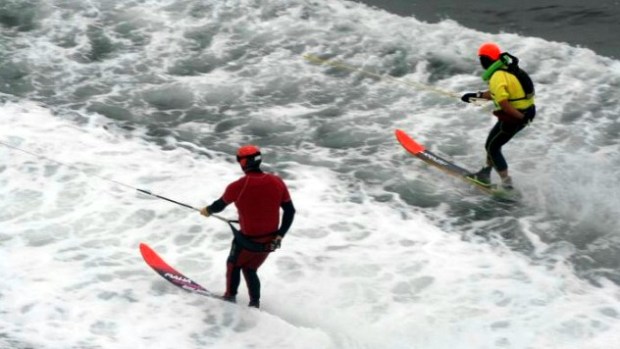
(591, 24)
(384, 252)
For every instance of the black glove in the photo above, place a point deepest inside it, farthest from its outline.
(466, 97)
(276, 243)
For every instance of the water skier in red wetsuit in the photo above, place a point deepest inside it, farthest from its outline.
(258, 197)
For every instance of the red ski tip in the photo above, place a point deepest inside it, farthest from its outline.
(145, 249)
(408, 143)
(151, 257)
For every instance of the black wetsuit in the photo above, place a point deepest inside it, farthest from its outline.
(505, 128)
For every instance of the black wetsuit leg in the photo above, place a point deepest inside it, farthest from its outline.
(503, 132)
(233, 272)
(253, 282)
(500, 134)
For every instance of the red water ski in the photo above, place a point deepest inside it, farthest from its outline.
(172, 275)
(427, 156)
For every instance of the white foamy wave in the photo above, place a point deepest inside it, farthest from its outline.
(353, 273)
(361, 268)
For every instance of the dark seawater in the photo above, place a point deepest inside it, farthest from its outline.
(591, 24)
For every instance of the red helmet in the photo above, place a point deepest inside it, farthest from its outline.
(249, 157)
(490, 50)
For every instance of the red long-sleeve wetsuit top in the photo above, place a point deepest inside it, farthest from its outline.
(258, 197)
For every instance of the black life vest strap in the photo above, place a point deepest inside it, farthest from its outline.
(527, 85)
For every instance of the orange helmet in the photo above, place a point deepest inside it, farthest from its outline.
(490, 50)
(249, 157)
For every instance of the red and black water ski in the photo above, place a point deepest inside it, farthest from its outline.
(448, 167)
(169, 273)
